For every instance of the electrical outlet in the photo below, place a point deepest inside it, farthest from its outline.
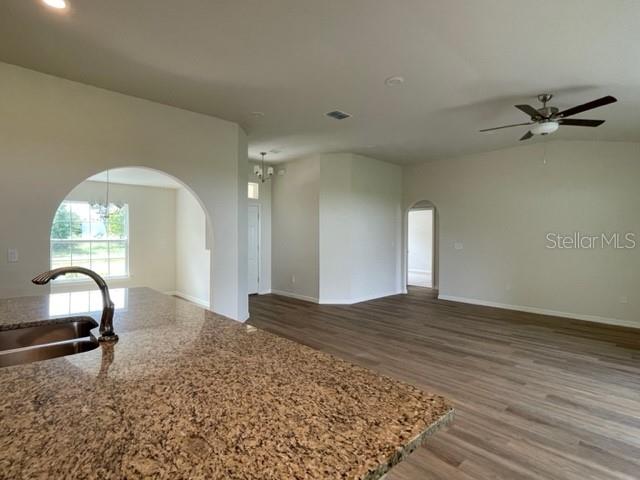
(293, 279)
(458, 245)
(12, 255)
(624, 299)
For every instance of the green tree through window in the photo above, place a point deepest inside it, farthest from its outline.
(81, 236)
(66, 224)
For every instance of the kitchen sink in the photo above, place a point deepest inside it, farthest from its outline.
(41, 342)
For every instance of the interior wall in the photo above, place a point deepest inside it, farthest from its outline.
(376, 219)
(152, 239)
(420, 239)
(335, 232)
(265, 229)
(192, 255)
(497, 208)
(295, 229)
(55, 133)
(337, 217)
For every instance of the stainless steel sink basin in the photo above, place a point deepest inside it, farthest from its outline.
(42, 342)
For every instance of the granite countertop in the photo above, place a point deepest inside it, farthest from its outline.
(186, 393)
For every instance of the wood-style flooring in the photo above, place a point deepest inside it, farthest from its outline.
(536, 397)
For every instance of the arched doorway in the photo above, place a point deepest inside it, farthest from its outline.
(421, 246)
(136, 227)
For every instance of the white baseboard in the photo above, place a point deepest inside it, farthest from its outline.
(542, 311)
(265, 292)
(420, 272)
(190, 298)
(351, 301)
(295, 295)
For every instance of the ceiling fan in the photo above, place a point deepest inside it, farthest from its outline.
(547, 120)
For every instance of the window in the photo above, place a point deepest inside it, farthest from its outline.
(81, 236)
(254, 191)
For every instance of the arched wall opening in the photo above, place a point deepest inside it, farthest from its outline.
(136, 226)
(426, 276)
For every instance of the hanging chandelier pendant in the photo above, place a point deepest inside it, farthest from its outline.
(105, 209)
(260, 171)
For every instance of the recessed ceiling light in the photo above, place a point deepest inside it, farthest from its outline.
(394, 81)
(59, 4)
(257, 114)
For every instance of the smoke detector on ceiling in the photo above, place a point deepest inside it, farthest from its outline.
(394, 81)
(338, 115)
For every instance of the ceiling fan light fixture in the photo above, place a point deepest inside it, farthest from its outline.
(544, 128)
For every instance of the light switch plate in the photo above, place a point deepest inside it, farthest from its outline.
(458, 245)
(12, 255)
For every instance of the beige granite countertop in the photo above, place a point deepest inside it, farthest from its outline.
(188, 394)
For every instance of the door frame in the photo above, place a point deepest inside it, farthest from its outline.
(259, 207)
(435, 264)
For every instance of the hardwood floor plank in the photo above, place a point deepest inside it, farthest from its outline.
(537, 397)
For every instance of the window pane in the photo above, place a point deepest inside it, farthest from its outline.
(61, 231)
(117, 222)
(117, 250)
(60, 263)
(80, 212)
(61, 228)
(61, 252)
(118, 267)
(101, 266)
(80, 251)
(254, 191)
(96, 213)
(99, 250)
(78, 263)
(98, 230)
(63, 214)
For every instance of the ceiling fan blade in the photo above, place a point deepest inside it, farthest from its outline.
(580, 122)
(527, 136)
(600, 102)
(505, 126)
(529, 110)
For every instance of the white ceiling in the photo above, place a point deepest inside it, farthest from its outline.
(137, 176)
(465, 62)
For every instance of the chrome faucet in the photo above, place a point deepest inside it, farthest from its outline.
(106, 321)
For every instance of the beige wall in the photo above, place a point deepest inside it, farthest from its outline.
(192, 254)
(56, 133)
(337, 221)
(295, 198)
(376, 197)
(335, 235)
(500, 206)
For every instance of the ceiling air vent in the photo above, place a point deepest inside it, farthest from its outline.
(338, 115)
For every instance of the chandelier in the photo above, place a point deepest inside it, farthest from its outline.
(104, 210)
(260, 172)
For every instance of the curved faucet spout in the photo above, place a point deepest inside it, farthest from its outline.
(106, 322)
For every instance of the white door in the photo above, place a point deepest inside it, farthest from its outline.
(254, 248)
